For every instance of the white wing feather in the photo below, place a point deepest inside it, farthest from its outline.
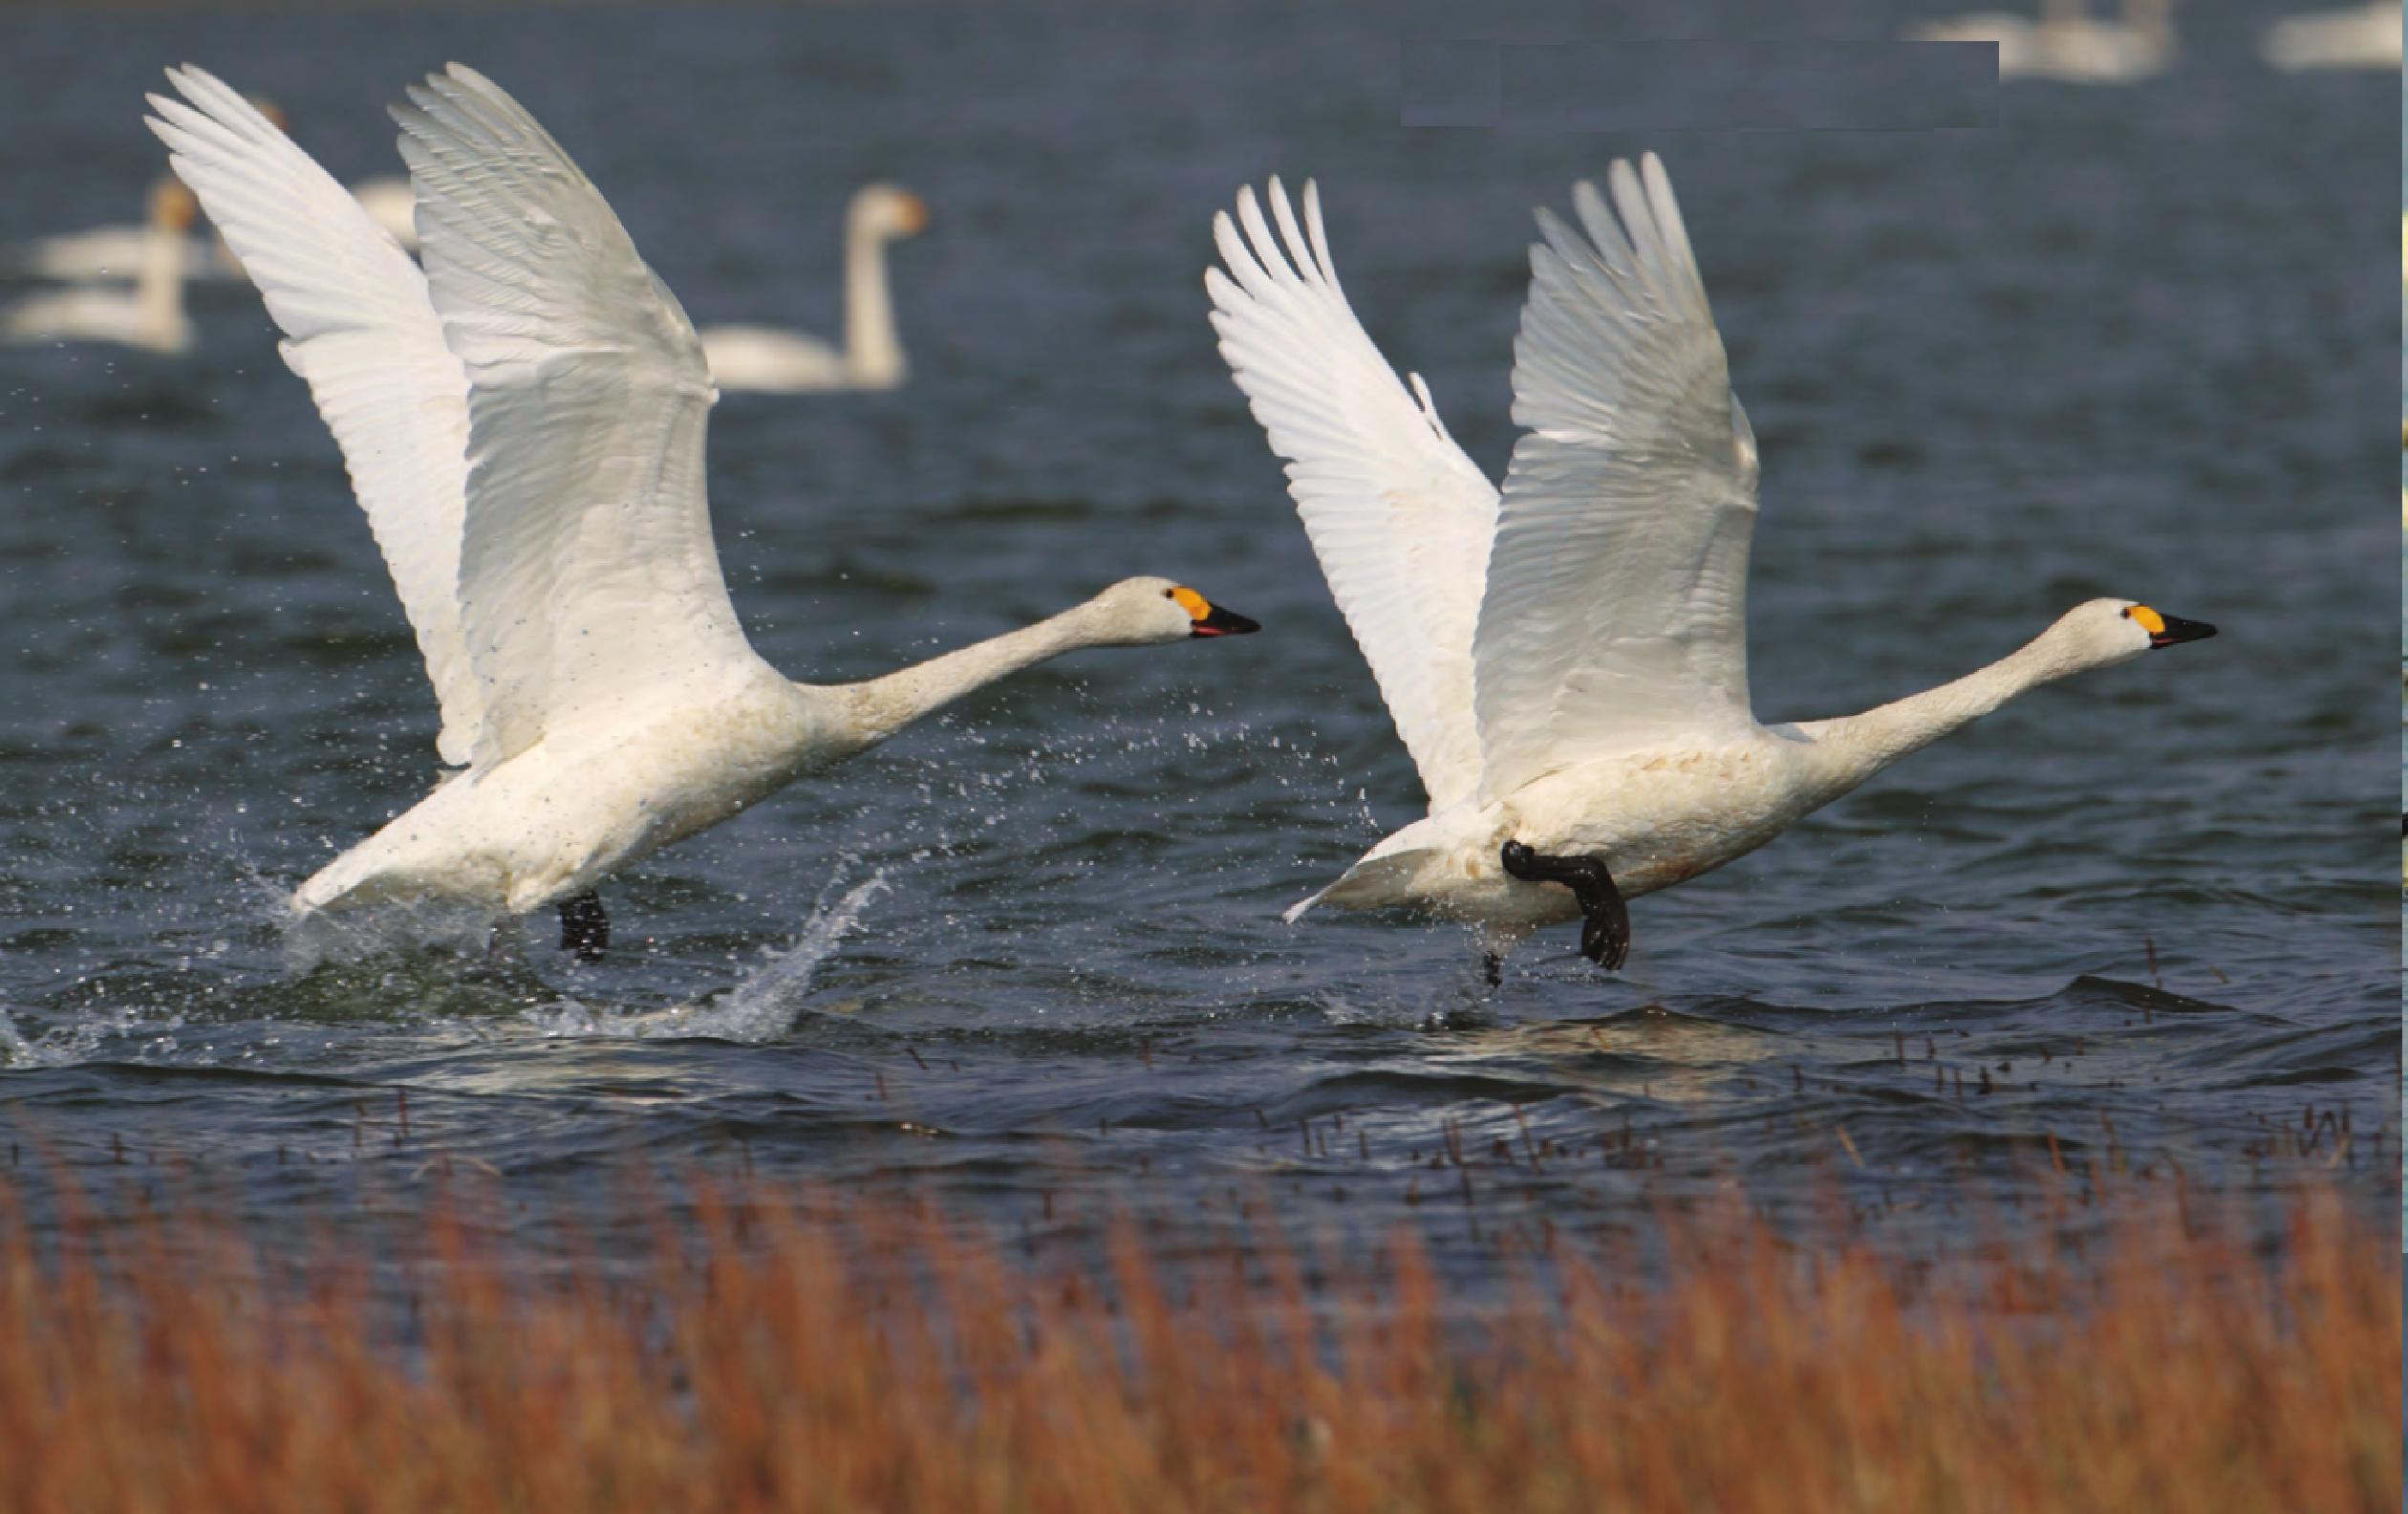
(359, 330)
(1615, 616)
(1399, 517)
(588, 577)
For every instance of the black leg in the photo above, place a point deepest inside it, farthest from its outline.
(584, 928)
(1605, 920)
(1493, 968)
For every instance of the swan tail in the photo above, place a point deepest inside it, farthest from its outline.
(1375, 882)
(1296, 911)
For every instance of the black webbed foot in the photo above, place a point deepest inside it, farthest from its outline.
(1604, 919)
(584, 927)
(1492, 969)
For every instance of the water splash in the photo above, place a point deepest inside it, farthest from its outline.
(761, 1007)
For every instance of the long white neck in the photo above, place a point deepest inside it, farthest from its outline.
(874, 350)
(876, 710)
(159, 283)
(1853, 747)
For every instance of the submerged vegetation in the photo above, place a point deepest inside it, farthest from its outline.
(777, 1350)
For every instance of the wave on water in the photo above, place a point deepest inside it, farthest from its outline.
(761, 1007)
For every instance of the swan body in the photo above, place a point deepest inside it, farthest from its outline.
(2364, 36)
(772, 360)
(523, 421)
(583, 802)
(148, 313)
(1566, 660)
(2068, 44)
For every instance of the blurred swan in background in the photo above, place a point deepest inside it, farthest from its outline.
(147, 312)
(775, 362)
(2363, 36)
(119, 251)
(523, 421)
(390, 203)
(2066, 44)
(1567, 662)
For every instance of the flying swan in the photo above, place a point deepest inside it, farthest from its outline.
(1567, 664)
(768, 360)
(523, 427)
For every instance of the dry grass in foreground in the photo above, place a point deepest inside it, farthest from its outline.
(765, 1360)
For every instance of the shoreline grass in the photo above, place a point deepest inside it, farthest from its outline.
(764, 1358)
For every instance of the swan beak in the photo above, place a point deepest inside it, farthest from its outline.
(1221, 622)
(914, 215)
(1209, 619)
(2174, 628)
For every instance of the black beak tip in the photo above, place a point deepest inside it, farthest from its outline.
(2178, 630)
(1225, 622)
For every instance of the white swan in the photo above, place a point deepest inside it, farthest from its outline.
(772, 361)
(2363, 36)
(148, 313)
(2066, 44)
(1567, 662)
(523, 427)
(117, 251)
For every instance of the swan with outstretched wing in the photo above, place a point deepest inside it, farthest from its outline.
(1567, 658)
(523, 424)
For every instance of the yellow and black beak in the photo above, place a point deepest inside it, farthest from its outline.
(1210, 619)
(2164, 629)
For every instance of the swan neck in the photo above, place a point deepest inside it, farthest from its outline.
(874, 350)
(882, 706)
(1857, 747)
(158, 279)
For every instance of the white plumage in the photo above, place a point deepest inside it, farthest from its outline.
(524, 425)
(1567, 661)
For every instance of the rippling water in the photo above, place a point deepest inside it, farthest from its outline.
(2134, 342)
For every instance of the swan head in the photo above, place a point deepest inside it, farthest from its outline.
(2104, 632)
(173, 206)
(886, 211)
(1148, 611)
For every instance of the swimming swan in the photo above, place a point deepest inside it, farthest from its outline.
(768, 360)
(1567, 664)
(2068, 44)
(149, 313)
(523, 427)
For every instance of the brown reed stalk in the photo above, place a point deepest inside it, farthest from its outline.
(769, 1356)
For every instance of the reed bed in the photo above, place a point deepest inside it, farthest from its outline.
(763, 1355)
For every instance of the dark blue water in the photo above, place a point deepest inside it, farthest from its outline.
(2137, 341)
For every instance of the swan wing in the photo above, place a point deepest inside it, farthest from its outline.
(1615, 615)
(1399, 517)
(361, 332)
(589, 583)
